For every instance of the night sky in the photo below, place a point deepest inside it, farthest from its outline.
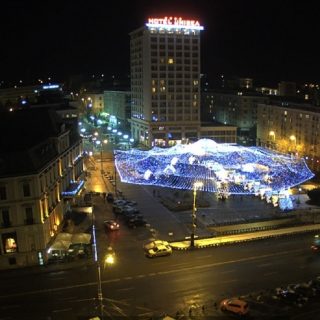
(265, 40)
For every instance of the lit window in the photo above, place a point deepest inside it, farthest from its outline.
(170, 61)
(153, 90)
(9, 242)
(195, 82)
(162, 89)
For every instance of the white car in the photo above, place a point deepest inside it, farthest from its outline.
(235, 305)
(159, 251)
(154, 243)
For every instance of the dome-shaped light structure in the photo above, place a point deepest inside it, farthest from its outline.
(220, 167)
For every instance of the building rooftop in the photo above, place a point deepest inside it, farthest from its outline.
(215, 124)
(25, 140)
(291, 103)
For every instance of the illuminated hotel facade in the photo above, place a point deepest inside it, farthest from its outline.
(165, 81)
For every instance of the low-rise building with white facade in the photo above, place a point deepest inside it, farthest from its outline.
(41, 163)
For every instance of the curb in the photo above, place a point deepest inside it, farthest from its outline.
(222, 243)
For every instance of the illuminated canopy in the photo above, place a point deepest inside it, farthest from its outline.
(220, 167)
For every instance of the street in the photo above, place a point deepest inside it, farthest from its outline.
(136, 286)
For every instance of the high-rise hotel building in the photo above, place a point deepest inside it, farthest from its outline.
(165, 81)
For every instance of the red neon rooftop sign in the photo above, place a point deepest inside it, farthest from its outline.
(174, 22)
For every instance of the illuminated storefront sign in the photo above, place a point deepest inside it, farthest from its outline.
(173, 22)
(50, 86)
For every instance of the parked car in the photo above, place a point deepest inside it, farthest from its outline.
(110, 197)
(290, 296)
(131, 203)
(87, 199)
(79, 250)
(305, 290)
(149, 245)
(119, 202)
(117, 209)
(136, 222)
(159, 251)
(235, 305)
(130, 210)
(315, 284)
(111, 225)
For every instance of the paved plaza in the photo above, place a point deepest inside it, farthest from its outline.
(171, 225)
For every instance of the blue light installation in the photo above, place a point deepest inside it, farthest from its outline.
(73, 188)
(220, 167)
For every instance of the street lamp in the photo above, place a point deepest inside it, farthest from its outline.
(115, 173)
(105, 141)
(197, 185)
(294, 139)
(273, 135)
(109, 259)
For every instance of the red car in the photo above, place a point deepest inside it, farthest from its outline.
(315, 248)
(111, 225)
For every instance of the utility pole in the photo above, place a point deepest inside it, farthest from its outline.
(115, 173)
(196, 185)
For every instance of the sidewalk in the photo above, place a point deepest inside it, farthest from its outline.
(217, 241)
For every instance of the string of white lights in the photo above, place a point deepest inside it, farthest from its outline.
(231, 168)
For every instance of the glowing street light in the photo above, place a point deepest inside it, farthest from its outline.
(273, 135)
(196, 186)
(105, 141)
(294, 139)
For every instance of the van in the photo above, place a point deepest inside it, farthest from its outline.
(235, 305)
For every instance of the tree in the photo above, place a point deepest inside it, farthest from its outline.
(314, 195)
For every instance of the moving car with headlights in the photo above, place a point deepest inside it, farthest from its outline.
(111, 225)
(315, 247)
(159, 251)
(235, 305)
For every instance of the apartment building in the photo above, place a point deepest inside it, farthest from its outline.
(290, 127)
